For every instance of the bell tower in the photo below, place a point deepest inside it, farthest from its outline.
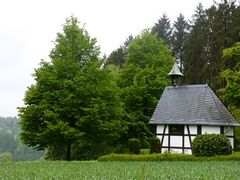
(176, 75)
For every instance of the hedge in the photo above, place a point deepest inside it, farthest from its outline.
(167, 157)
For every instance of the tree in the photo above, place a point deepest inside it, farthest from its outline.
(142, 81)
(74, 100)
(223, 33)
(163, 29)
(216, 28)
(196, 51)
(180, 28)
(230, 94)
(9, 141)
(117, 57)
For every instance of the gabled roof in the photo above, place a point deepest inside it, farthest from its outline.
(191, 104)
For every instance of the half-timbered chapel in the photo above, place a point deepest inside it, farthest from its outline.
(184, 111)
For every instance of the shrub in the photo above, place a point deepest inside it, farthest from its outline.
(5, 157)
(155, 146)
(134, 146)
(211, 145)
(144, 151)
(167, 157)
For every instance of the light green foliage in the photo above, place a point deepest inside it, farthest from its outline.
(142, 80)
(74, 102)
(121, 170)
(167, 156)
(231, 92)
(147, 50)
(5, 157)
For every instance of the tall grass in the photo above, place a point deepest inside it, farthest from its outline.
(122, 170)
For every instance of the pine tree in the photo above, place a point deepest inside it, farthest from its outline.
(163, 29)
(216, 29)
(117, 57)
(196, 52)
(179, 36)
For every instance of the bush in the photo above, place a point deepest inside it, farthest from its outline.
(144, 151)
(155, 146)
(134, 146)
(211, 145)
(167, 157)
(5, 157)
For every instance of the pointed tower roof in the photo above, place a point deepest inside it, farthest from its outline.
(175, 71)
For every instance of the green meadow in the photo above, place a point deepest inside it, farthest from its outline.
(121, 170)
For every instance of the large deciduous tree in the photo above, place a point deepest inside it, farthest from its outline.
(142, 81)
(231, 92)
(74, 101)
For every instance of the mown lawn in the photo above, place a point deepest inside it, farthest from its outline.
(121, 170)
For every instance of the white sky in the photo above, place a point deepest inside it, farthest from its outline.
(28, 28)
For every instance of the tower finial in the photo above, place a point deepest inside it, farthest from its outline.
(175, 73)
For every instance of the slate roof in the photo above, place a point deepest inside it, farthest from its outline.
(191, 104)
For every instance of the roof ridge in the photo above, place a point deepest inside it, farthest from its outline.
(188, 85)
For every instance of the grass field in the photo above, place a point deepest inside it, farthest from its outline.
(121, 170)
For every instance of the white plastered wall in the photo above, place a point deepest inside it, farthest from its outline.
(176, 141)
(210, 129)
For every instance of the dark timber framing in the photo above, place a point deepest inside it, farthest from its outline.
(188, 134)
(199, 129)
(164, 130)
(169, 139)
(166, 134)
(190, 141)
(234, 144)
(183, 144)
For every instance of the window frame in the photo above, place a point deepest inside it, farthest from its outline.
(179, 129)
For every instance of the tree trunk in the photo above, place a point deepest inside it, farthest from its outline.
(69, 152)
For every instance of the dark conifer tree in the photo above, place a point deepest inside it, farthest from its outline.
(222, 33)
(180, 32)
(163, 29)
(196, 52)
(212, 31)
(117, 57)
